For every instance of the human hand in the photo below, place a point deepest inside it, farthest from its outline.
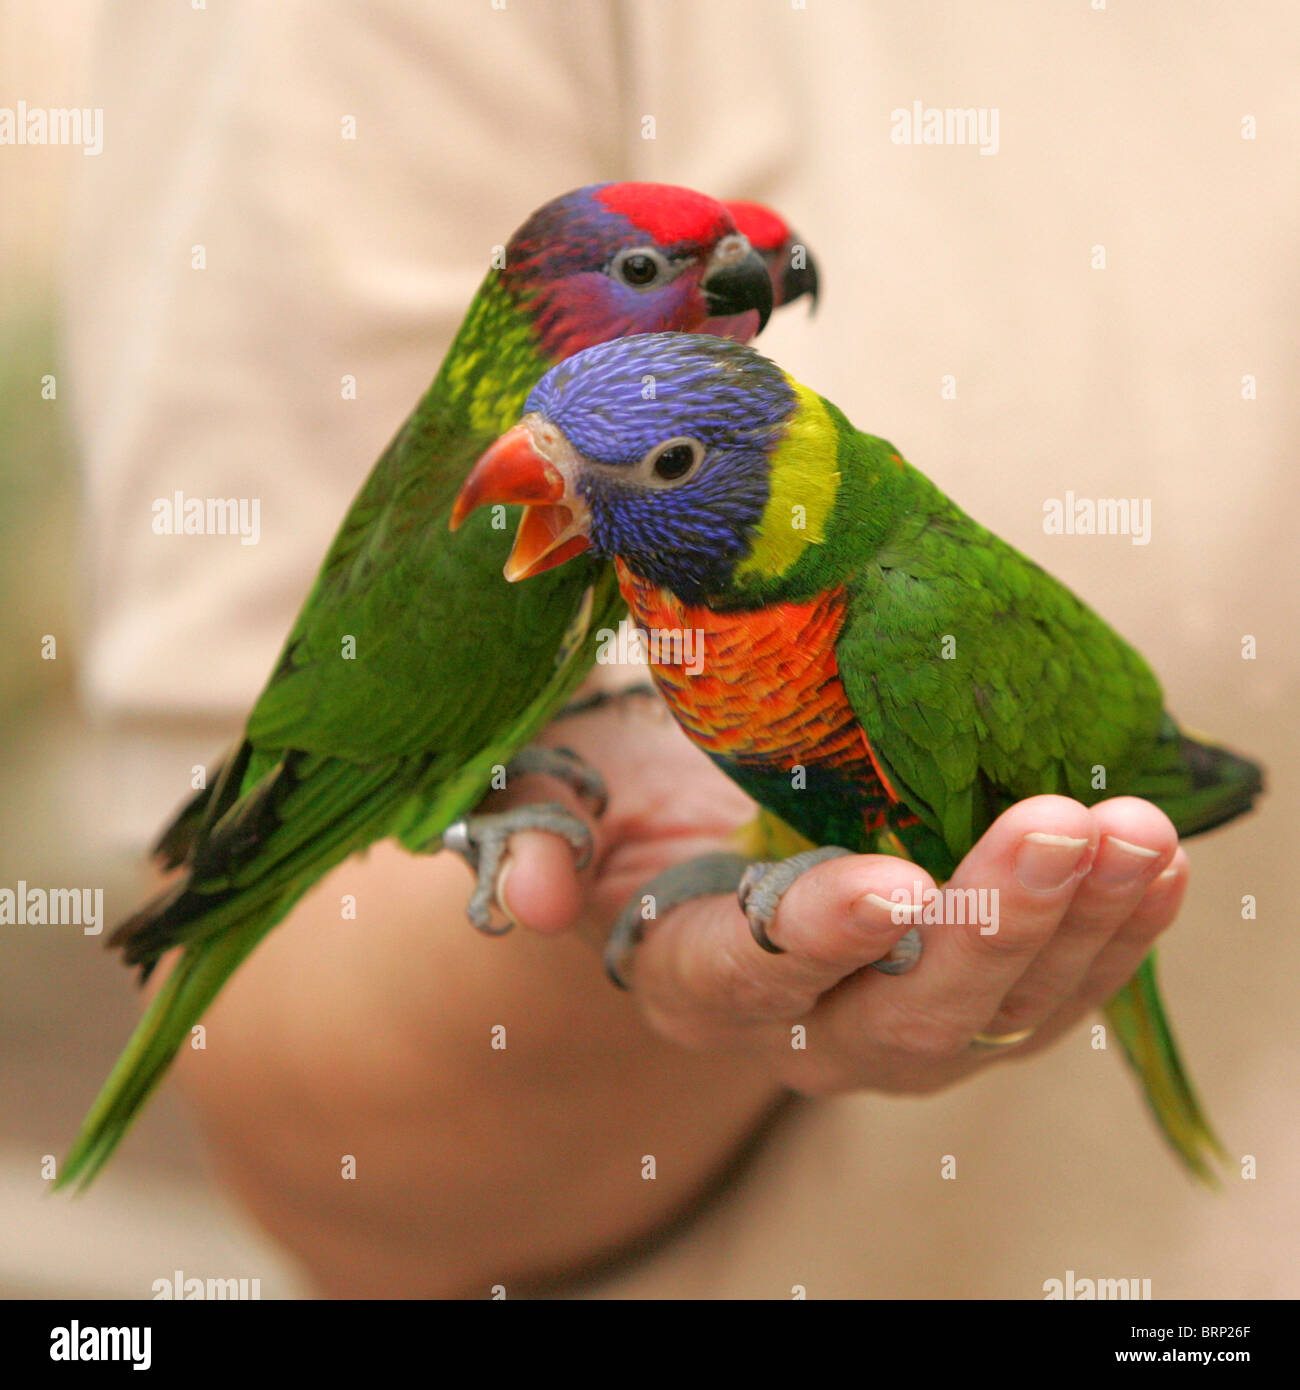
(1080, 895)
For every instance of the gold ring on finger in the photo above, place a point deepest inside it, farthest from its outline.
(995, 1042)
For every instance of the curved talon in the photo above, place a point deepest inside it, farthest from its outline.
(586, 781)
(488, 928)
(758, 921)
(623, 941)
(764, 885)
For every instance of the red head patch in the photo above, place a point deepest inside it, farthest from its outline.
(668, 215)
(766, 231)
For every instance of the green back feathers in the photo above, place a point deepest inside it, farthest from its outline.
(493, 362)
(394, 573)
(366, 728)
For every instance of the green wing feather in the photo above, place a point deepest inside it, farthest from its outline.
(980, 680)
(411, 672)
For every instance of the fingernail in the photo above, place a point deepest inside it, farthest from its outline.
(499, 891)
(1119, 862)
(1046, 862)
(899, 911)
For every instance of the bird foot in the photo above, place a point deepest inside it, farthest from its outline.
(759, 888)
(702, 877)
(565, 765)
(764, 885)
(483, 841)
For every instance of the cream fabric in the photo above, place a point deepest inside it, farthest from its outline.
(1119, 128)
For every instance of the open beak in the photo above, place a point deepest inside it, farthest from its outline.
(514, 471)
(736, 282)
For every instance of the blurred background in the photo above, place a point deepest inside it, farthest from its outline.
(64, 1009)
(1119, 130)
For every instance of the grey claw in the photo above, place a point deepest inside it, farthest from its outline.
(623, 940)
(567, 766)
(764, 885)
(586, 781)
(758, 919)
(902, 957)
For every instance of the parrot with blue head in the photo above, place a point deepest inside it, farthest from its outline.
(918, 673)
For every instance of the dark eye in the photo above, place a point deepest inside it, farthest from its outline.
(672, 463)
(675, 459)
(638, 268)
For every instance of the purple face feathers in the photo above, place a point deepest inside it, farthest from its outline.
(557, 263)
(616, 402)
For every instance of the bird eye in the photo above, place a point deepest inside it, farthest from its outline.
(674, 459)
(638, 268)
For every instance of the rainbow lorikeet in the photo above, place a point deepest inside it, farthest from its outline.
(411, 675)
(918, 673)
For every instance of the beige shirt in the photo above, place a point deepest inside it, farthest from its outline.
(1094, 299)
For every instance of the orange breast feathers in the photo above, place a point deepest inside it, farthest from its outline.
(760, 686)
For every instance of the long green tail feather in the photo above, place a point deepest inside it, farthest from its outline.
(1199, 785)
(1138, 1018)
(192, 985)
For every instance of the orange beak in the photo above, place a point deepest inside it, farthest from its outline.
(513, 471)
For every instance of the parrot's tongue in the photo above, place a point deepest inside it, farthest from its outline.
(548, 535)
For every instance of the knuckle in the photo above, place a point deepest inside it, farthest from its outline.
(1003, 944)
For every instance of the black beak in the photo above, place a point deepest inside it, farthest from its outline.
(799, 278)
(737, 288)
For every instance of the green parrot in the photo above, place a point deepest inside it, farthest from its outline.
(411, 674)
(917, 672)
